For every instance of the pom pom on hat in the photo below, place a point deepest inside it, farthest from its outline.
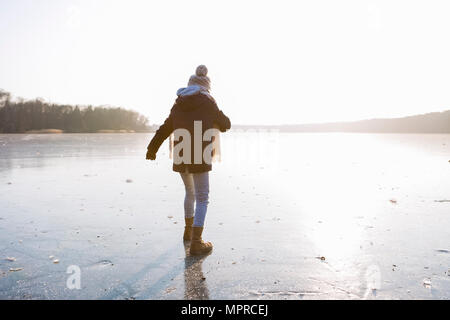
(202, 71)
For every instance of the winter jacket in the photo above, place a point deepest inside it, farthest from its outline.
(193, 104)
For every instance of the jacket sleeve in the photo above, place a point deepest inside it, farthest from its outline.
(161, 134)
(222, 121)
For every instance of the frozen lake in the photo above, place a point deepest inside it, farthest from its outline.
(291, 216)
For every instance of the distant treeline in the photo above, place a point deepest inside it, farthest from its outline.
(435, 122)
(31, 115)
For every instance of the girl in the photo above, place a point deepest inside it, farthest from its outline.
(194, 108)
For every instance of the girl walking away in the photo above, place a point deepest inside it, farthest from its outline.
(192, 119)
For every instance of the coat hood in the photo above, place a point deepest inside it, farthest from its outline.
(187, 95)
(191, 90)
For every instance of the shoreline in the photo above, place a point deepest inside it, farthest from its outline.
(232, 130)
(58, 131)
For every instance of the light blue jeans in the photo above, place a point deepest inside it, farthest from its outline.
(197, 192)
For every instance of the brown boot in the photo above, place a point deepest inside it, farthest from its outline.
(198, 246)
(188, 229)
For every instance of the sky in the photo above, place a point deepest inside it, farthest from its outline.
(270, 62)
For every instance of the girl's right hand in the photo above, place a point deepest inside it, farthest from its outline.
(150, 156)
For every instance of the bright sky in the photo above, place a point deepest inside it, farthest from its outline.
(270, 62)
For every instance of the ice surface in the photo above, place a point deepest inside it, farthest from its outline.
(291, 216)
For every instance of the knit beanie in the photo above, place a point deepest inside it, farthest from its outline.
(200, 78)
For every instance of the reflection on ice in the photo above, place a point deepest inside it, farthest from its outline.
(195, 287)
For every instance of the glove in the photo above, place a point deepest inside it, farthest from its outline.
(150, 155)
